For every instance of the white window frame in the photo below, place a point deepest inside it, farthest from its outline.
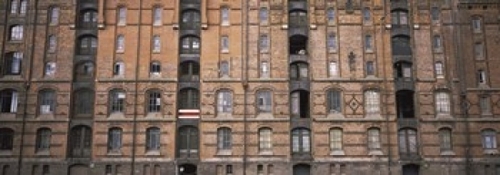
(224, 16)
(156, 44)
(52, 44)
(17, 32)
(374, 139)
(336, 135)
(265, 139)
(333, 69)
(442, 103)
(122, 16)
(119, 68)
(264, 101)
(489, 139)
(224, 44)
(264, 69)
(332, 42)
(54, 15)
(372, 102)
(438, 66)
(224, 69)
(157, 16)
(263, 15)
(120, 43)
(225, 101)
(50, 68)
(481, 77)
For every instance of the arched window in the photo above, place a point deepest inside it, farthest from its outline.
(47, 101)
(43, 136)
(117, 100)
(155, 68)
(442, 103)
(265, 139)
(114, 140)
(301, 141)
(225, 101)
(334, 99)
(153, 139)
(224, 139)
(489, 139)
(264, 101)
(154, 101)
(336, 139)
(119, 68)
(445, 139)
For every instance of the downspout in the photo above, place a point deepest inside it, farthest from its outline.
(386, 89)
(244, 75)
(138, 55)
(27, 87)
(463, 90)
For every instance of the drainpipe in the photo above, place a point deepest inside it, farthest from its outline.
(134, 131)
(244, 75)
(463, 90)
(27, 86)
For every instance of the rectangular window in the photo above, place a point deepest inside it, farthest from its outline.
(442, 103)
(437, 42)
(154, 102)
(370, 68)
(156, 44)
(229, 169)
(122, 16)
(368, 42)
(47, 102)
(407, 72)
(479, 50)
(264, 101)
(263, 15)
(333, 69)
(476, 25)
(332, 43)
(366, 14)
(330, 15)
(54, 15)
(50, 68)
(439, 69)
(484, 104)
(157, 14)
(264, 43)
(224, 16)
(225, 102)
(435, 13)
(374, 139)
(481, 76)
(265, 143)
(335, 139)
(52, 43)
(372, 103)
(264, 69)
(120, 43)
(224, 69)
(334, 101)
(445, 139)
(45, 170)
(114, 140)
(224, 44)
(13, 6)
(117, 101)
(224, 139)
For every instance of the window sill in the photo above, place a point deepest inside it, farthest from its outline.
(335, 114)
(116, 115)
(373, 116)
(487, 115)
(447, 153)
(332, 50)
(226, 152)
(155, 75)
(224, 115)
(46, 116)
(224, 51)
(114, 153)
(443, 116)
(265, 115)
(153, 115)
(337, 153)
(120, 51)
(5, 152)
(153, 153)
(43, 153)
(375, 153)
(266, 153)
(490, 151)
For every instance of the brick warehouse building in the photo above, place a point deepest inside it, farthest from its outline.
(249, 87)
